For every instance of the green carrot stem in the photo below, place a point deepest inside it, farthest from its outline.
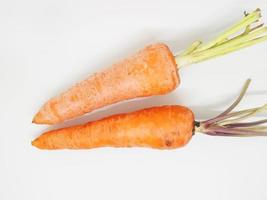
(224, 43)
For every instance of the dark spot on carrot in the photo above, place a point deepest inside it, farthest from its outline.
(168, 143)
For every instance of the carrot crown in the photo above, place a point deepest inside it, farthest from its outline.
(231, 123)
(226, 42)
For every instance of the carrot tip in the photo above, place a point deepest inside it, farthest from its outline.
(34, 142)
(37, 118)
(34, 121)
(37, 143)
(40, 119)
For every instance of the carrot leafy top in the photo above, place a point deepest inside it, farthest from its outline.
(231, 123)
(240, 35)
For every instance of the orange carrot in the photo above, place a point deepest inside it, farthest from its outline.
(165, 127)
(159, 127)
(152, 71)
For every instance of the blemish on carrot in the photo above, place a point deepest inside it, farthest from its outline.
(168, 143)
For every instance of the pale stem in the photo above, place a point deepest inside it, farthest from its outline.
(226, 42)
(232, 124)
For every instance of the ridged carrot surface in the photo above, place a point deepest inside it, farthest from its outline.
(165, 127)
(152, 71)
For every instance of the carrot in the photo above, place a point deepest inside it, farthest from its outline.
(165, 127)
(142, 128)
(151, 71)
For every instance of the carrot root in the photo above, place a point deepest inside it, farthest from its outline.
(164, 127)
(151, 71)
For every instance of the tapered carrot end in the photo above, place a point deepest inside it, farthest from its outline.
(39, 118)
(36, 143)
(44, 117)
(35, 119)
(40, 143)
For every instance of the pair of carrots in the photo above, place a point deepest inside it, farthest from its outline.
(151, 71)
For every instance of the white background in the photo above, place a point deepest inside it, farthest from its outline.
(46, 46)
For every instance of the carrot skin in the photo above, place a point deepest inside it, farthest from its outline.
(152, 71)
(165, 127)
